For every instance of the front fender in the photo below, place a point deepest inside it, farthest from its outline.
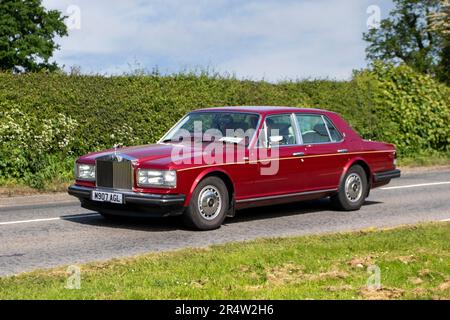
(202, 175)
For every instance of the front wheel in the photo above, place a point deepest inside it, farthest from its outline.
(208, 206)
(352, 190)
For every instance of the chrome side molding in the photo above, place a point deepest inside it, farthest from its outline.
(286, 195)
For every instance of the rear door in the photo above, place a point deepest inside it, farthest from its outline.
(325, 151)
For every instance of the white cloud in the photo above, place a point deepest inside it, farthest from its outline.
(274, 39)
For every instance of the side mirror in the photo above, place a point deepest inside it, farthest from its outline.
(275, 140)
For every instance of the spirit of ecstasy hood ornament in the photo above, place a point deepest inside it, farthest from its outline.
(116, 155)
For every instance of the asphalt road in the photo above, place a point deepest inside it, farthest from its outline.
(48, 235)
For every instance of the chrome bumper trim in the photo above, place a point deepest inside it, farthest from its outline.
(131, 197)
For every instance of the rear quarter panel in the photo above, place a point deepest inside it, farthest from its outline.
(379, 156)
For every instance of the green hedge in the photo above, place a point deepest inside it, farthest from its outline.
(48, 117)
(413, 110)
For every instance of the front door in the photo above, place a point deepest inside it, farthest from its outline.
(279, 158)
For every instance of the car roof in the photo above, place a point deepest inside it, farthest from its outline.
(263, 109)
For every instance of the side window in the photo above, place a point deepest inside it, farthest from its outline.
(281, 125)
(313, 129)
(335, 135)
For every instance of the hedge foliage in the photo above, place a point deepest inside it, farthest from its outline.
(415, 110)
(46, 118)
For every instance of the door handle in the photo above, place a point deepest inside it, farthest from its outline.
(298, 154)
(342, 151)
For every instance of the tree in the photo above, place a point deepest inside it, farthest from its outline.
(440, 22)
(27, 32)
(406, 36)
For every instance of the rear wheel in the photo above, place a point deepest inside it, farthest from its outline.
(352, 191)
(208, 206)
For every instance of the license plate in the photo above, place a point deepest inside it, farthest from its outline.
(107, 197)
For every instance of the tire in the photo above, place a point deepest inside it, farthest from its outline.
(208, 206)
(353, 190)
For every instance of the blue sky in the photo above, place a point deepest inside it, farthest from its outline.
(253, 39)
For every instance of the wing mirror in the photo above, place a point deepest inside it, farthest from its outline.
(275, 140)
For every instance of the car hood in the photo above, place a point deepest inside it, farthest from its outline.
(146, 153)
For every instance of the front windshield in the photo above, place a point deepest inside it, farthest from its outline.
(233, 127)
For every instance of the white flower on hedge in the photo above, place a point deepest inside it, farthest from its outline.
(41, 135)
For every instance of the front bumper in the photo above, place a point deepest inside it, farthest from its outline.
(386, 176)
(135, 204)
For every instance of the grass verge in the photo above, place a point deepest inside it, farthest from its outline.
(12, 188)
(426, 160)
(414, 263)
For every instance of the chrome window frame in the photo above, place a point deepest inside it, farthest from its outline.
(263, 133)
(329, 135)
(326, 127)
(297, 129)
(294, 127)
(331, 122)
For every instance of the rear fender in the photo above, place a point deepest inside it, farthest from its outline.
(363, 163)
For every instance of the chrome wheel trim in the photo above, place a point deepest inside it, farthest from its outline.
(209, 202)
(353, 187)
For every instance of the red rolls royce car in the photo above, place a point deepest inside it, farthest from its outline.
(217, 160)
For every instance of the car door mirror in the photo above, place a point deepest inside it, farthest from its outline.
(275, 140)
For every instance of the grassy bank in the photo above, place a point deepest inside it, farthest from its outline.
(414, 263)
(425, 160)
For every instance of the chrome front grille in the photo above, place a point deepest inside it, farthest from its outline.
(111, 173)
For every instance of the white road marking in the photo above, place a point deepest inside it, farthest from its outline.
(50, 219)
(96, 214)
(416, 185)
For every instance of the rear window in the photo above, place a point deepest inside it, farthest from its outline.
(313, 128)
(334, 133)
